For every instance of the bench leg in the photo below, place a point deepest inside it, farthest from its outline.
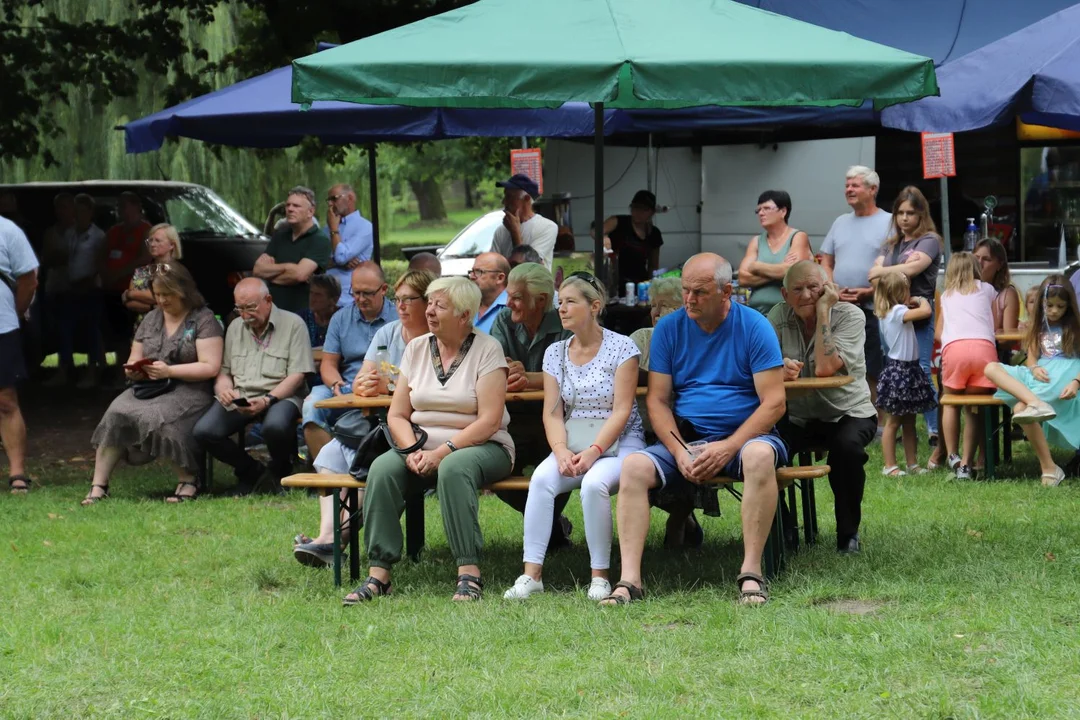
(354, 534)
(337, 538)
(991, 444)
(208, 472)
(1006, 432)
(792, 533)
(414, 525)
(774, 546)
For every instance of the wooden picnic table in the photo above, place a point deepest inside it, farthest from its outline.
(1009, 336)
(349, 401)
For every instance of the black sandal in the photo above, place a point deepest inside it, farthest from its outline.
(176, 498)
(368, 590)
(745, 596)
(24, 488)
(90, 499)
(636, 595)
(469, 586)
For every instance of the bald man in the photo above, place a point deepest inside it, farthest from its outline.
(267, 353)
(820, 336)
(715, 375)
(347, 340)
(426, 261)
(489, 272)
(352, 237)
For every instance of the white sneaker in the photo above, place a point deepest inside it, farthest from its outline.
(1034, 413)
(524, 586)
(599, 588)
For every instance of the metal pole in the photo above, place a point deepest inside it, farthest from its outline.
(524, 143)
(945, 218)
(649, 167)
(598, 189)
(373, 184)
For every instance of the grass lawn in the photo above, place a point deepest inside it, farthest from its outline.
(409, 231)
(964, 604)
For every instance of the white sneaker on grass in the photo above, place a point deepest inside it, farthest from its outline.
(599, 588)
(524, 586)
(1034, 413)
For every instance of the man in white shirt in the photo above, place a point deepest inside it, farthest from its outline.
(18, 281)
(521, 226)
(352, 237)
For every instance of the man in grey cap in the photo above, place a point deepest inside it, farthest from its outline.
(521, 226)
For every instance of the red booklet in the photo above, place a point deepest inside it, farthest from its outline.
(139, 364)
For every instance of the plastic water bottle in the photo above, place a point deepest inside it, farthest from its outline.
(971, 236)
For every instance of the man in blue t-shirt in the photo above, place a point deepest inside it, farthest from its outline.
(720, 363)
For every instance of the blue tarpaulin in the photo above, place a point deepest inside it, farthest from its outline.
(1034, 73)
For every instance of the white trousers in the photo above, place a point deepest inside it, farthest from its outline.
(597, 487)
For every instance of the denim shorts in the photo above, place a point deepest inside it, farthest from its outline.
(668, 470)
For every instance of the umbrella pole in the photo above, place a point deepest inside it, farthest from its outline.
(598, 193)
(373, 185)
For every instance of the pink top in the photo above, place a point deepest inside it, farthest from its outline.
(968, 317)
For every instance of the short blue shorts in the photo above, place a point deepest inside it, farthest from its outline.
(668, 469)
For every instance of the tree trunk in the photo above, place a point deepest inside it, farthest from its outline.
(468, 194)
(429, 199)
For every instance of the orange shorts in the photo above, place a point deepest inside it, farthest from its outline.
(963, 362)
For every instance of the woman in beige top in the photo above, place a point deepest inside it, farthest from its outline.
(452, 388)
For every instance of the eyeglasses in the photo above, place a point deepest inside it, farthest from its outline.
(479, 271)
(334, 198)
(157, 241)
(587, 277)
(407, 300)
(365, 294)
(250, 308)
(767, 208)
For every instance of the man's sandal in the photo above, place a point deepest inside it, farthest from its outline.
(746, 597)
(176, 497)
(21, 489)
(367, 591)
(469, 588)
(635, 594)
(90, 499)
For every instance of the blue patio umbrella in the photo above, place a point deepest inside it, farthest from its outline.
(1033, 73)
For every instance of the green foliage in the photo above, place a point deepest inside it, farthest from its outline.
(963, 604)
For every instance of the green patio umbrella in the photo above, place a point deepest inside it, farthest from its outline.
(613, 53)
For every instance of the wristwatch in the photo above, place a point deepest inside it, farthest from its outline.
(271, 399)
(391, 386)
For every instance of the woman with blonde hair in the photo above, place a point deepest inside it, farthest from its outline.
(591, 422)
(448, 427)
(164, 245)
(914, 249)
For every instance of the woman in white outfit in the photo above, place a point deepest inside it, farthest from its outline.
(590, 376)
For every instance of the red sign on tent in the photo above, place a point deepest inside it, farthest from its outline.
(938, 155)
(528, 161)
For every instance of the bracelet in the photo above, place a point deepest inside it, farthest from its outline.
(452, 446)
(598, 448)
(558, 442)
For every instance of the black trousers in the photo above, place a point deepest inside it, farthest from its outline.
(845, 441)
(215, 429)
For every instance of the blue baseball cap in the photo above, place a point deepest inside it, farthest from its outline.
(521, 182)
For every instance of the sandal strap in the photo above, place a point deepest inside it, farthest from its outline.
(21, 477)
(469, 586)
(364, 592)
(633, 591)
(743, 577)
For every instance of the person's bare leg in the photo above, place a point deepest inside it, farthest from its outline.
(911, 441)
(888, 440)
(105, 460)
(315, 438)
(13, 431)
(971, 437)
(996, 374)
(950, 425)
(758, 507)
(1035, 436)
(632, 516)
(326, 518)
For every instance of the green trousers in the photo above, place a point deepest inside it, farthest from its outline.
(461, 474)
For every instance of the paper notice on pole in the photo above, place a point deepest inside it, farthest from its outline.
(528, 162)
(938, 155)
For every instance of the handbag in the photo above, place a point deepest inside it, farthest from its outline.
(581, 432)
(150, 389)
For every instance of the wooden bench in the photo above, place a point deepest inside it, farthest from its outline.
(332, 484)
(991, 425)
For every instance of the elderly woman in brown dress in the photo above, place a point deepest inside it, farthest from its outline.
(179, 341)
